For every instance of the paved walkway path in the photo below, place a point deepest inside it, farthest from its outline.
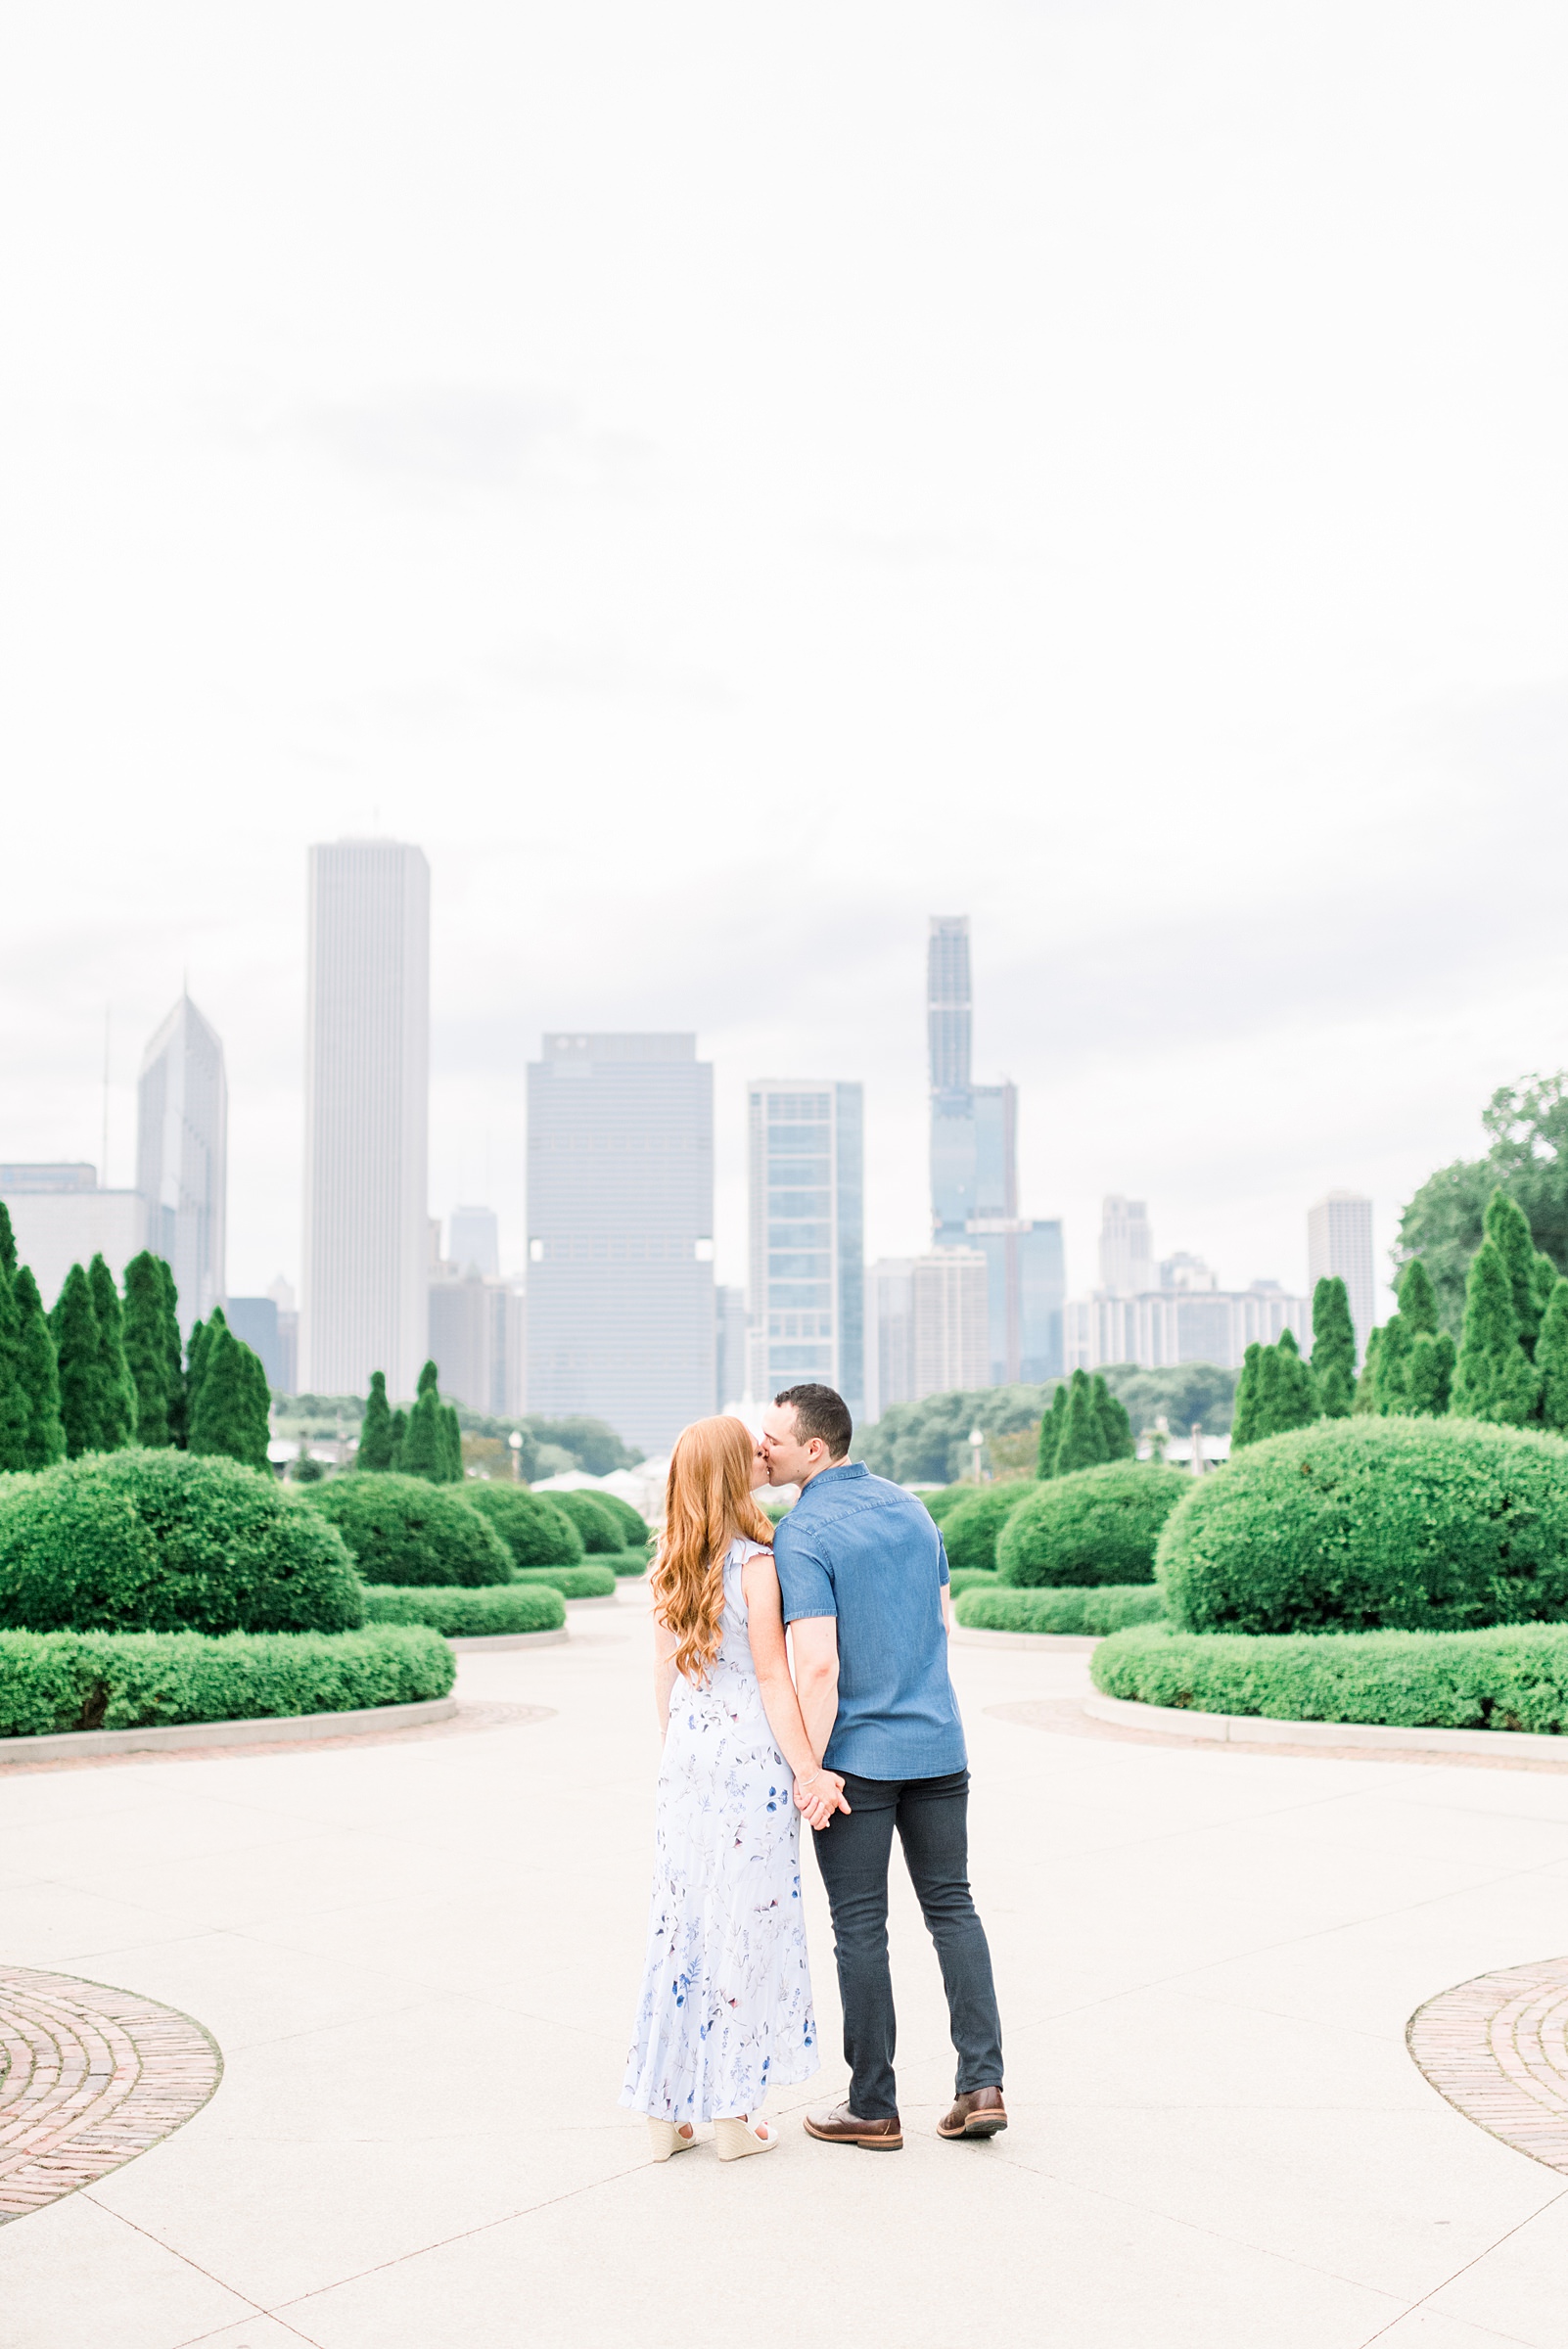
(418, 1959)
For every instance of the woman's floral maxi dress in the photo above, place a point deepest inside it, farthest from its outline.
(726, 2011)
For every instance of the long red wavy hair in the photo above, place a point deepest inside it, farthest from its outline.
(707, 1501)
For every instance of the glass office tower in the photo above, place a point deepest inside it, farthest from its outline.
(806, 1234)
(182, 1122)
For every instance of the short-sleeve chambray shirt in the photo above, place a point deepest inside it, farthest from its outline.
(861, 1549)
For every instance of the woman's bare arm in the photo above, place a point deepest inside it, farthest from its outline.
(823, 1789)
(665, 1646)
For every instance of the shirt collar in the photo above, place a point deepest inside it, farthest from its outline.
(842, 1470)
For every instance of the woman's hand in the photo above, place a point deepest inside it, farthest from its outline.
(817, 1795)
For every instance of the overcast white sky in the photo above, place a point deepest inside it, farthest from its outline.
(731, 481)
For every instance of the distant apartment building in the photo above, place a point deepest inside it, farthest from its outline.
(254, 1322)
(1339, 1246)
(890, 1372)
(182, 1119)
(1194, 1321)
(476, 1340)
(621, 1223)
(973, 1177)
(367, 1100)
(729, 1319)
(283, 1296)
(474, 1241)
(805, 1223)
(59, 1218)
(948, 1313)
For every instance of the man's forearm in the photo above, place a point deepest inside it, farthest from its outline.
(818, 1693)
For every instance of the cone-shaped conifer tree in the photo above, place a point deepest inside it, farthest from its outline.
(1429, 1373)
(376, 1428)
(118, 1423)
(451, 1446)
(399, 1429)
(8, 1244)
(1120, 1442)
(147, 1349)
(1365, 1402)
(1392, 1388)
(1551, 1360)
(1295, 1404)
(14, 1413)
(1050, 1432)
(74, 1327)
(1082, 1443)
(1266, 1409)
(39, 1374)
(1333, 1350)
(1244, 1417)
(1417, 1299)
(1508, 1231)
(229, 1412)
(1493, 1379)
(423, 1451)
(173, 1359)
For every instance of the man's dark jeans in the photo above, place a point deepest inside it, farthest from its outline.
(931, 1817)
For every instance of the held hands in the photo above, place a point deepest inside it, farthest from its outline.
(818, 1795)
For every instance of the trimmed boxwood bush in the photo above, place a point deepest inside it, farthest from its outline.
(403, 1529)
(635, 1528)
(168, 1540)
(602, 1534)
(533, 1528)
(1514, 1677)
(970, 1577)
(1090, 1613)
(137, 1680)
(1355, 1525)
(944, 1498)
(971, 1526)
(630, 1561)
(593, 1579)
(1098, 1525)
(470, 1614)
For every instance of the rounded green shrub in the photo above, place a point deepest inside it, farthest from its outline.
(970, 1577)
(1098, 1525)
(970, 1528)
(501, 1610)
(168, 1540)
(533, 1528)
(403, 1529)
(940, 1499)
(52, 1680)
(593, 1579)
(1355, 1525)
(1091, 1613)
(600, 1531)
(633, 1528)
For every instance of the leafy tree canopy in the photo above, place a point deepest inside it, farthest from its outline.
(1444, 1223)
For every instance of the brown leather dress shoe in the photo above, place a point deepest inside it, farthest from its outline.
(980, 2112)
(837, 2125)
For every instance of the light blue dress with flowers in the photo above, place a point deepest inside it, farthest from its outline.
(725, 2009)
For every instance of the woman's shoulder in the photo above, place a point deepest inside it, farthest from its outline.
(743, 1549)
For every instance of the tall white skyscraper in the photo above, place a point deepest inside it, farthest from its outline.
(367, 1111)
(807, 1279)
(1339, 1245)
(182, 1122)
(1126, 1251)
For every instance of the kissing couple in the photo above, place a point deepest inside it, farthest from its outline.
(864, 1739)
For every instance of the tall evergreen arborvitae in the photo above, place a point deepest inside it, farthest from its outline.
(229, 1409)
(1244, 1417)
(119, 1424)
(1050, 1432)
(179, 1415)
(376, 1428)
(1429, 1373)
(1365, 1402)
(39, 1374)
(147, 1349)
(1393, 1383)
(74, 1325)
(14, 1413)
(399, 1429)
(1508, 1231)
(1266, 1409)
(451, 1446)
(1418, 1306)
(1333, 1349)
(1493, 1379)
(1551, 1360)
(204, 1335)
(8, 1244)
(422, 1446)
(1295, 1403)
(1082, 1443)
(1120, 1442)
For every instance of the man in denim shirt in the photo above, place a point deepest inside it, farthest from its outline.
(864, 1579)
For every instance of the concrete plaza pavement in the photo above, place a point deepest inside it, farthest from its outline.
(418, 1957)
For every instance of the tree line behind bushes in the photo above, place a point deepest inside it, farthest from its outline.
(423, 1440)
(100, 1371)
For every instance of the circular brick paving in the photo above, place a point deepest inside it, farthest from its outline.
(89, 2078)
(1497, 2049)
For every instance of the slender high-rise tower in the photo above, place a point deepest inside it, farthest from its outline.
(807, 1276)
(367, 1107)
(182, 1123)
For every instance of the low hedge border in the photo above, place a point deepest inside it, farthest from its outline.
(971, 1578)
(1091, 1612)
(468, 1614)
(61, 1680)
(630, 1561)
(592, 1580)
(1511, 1679)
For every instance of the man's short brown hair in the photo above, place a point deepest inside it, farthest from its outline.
(822, 1413)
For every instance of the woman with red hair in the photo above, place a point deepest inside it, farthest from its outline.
(725, 2009)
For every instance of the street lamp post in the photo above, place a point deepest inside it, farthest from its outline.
(516, 1443)
(977, 1444)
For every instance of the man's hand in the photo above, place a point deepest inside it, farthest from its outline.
(818, 1796)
